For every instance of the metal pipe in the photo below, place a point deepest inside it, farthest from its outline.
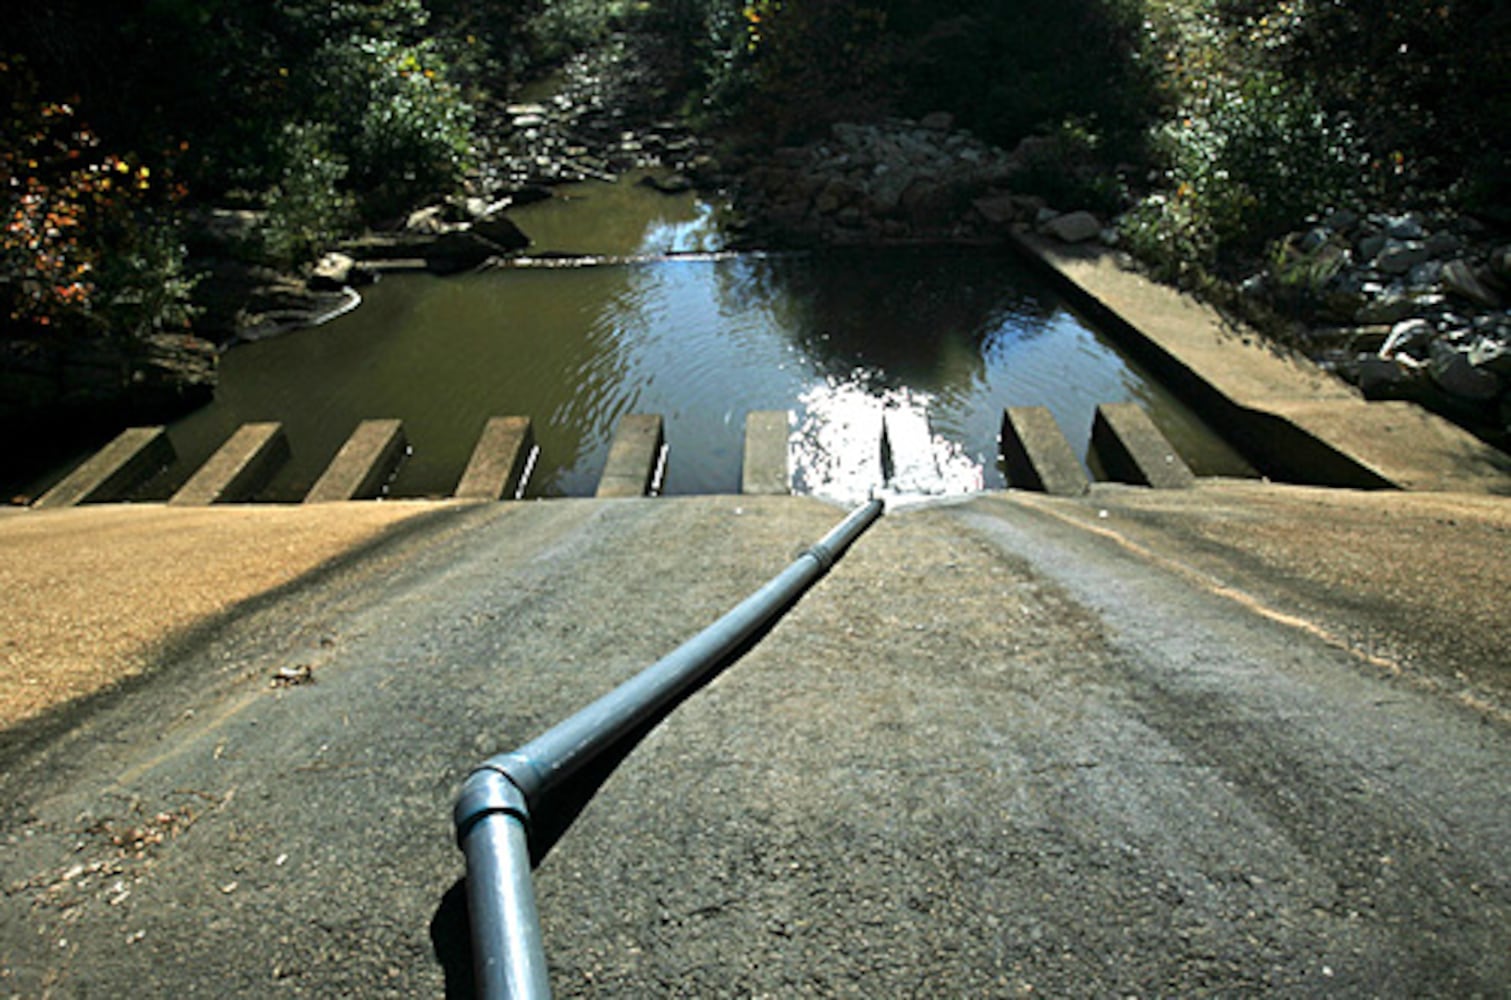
(492, 813)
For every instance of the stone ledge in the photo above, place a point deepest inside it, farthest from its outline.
(1295, 421)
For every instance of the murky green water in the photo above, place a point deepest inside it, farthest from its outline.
(838, 339)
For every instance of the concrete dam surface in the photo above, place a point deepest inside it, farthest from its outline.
(1227, 739)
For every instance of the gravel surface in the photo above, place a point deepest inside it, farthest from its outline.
(93, 592)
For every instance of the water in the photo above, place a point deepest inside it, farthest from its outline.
(934, 343)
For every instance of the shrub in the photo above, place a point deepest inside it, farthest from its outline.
(307, 207)
(88, 244)
(400, 123)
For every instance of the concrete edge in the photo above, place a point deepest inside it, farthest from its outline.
(1133, 450)
(364, 463)
(110, 473)
(239, 468)
(1288, 439)
(1036, 455)
(499, 461)
(634, 456)
(766, 469)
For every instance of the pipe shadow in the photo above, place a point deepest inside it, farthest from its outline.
(553, 815)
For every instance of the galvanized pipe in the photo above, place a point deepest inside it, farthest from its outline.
(493, 810)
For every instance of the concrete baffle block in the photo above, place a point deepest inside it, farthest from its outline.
(500, 462)
(364, 464)
(766, 469)
(113, 471)
(634, 457)
(241, 467)
(1035, 454)
(1132, 450)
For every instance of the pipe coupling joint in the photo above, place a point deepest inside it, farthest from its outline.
(487, 792)
(823, 555)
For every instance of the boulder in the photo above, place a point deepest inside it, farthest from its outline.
(1400, 256)
(335, 271)
(429, 221)
(1389, 306)
(1385, 378)
(218, 231)
(1452, 370)
(498, 229)
(1461, 279)
(1073, 227)
(997, 209)
(459, 251)
(1500, 266)
(669, 184)
(1410, 336)
(1492, 355)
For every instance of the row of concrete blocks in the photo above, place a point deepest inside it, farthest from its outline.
(498, 468)
(1035, 456)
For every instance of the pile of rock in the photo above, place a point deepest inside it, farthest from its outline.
(1413, 305)
(892, 181)
(606, 119)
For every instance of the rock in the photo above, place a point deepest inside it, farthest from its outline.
(1384, 378)
(669, 184)
(1410, 336)
(223, 231)
(1443, 244)
(997, 209)
(501, 231)
(926, 204)
(937, 121)
(460, 251)
(1369, 247)
(1500, 265)
(529, 194)
(335, 271)
(1492, 355)
(1461, 279)
(1400, 256)
(1405, 227)
(1341, 220)
(1073, 227)
(1389, 306)
(1452, 371)
(1426, 274)
(430, 221)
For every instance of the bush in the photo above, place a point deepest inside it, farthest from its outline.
(307, 208)
(399, 122)
(1249, 163)
(560, 27)
(88, 244)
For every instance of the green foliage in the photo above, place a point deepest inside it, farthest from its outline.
(1242, 165)
(557, 28)
(1011, 70)
(396, 118)
(1069, 167)
(307, 208)
(143, 284)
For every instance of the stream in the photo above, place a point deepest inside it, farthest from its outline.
(660, 320)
